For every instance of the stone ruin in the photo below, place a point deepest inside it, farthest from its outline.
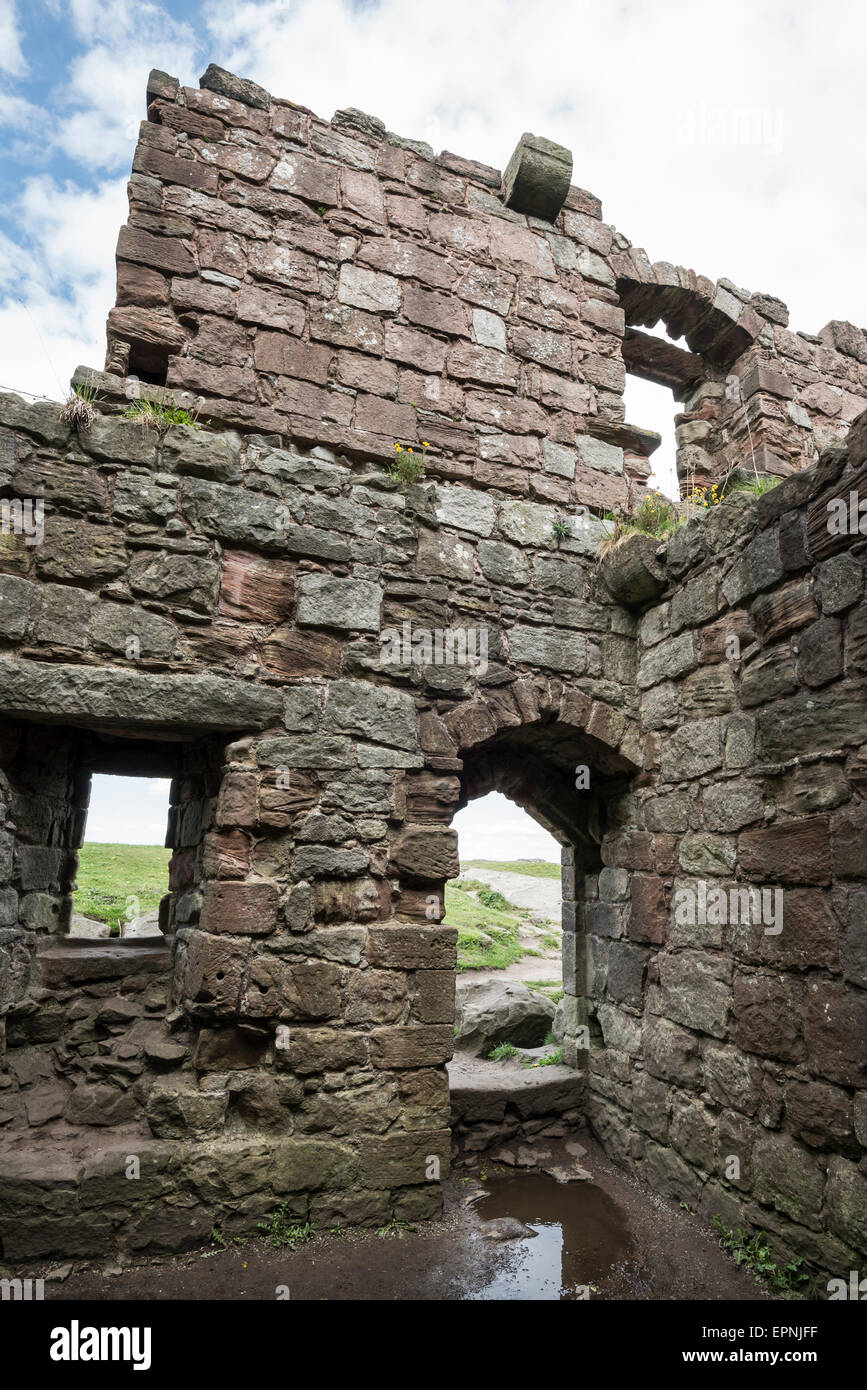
(217, 604)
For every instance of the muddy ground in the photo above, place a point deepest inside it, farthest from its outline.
(611, 1237)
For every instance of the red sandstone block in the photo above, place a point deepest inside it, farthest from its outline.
(140, 285)
(793, 851)
(201, 294)
(487, 366)
(514, 480)
(414, 348)
(162, 252)
(292, 122)
(261, 304)
(385, 417)
(255, 588)
(303, 398)
(224, 109)
(226, 854)
(521, 249)
(223, 252)
(190, 173)
(240, 909)
(466, 235)
(408, 213)
(346, 327)
(306, 178)
(516, 415)
(431, 392)
(488, 287)
(405, 258)
(293, 653)
(275, 352)
(368, 374)
(552, 350)
(236, 383)
(362, 192)
(286, 265)
(181, 118)
(437, 311)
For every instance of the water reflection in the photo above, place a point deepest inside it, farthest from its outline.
(580, 1234)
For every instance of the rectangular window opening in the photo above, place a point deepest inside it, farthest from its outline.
(123, 861)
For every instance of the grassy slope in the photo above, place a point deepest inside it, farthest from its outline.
(531, 867)
(487, 937)
(109, 874)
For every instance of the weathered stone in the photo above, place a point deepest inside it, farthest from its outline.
(324, 601)
(695, 990)
(537, 177)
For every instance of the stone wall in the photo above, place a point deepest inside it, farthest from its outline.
(252, 607)
(731, 1036)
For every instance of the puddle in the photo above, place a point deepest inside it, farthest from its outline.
(581, 1235)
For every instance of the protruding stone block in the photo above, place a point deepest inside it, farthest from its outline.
(537, 177)
(226, 84)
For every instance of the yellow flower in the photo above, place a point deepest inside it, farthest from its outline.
(424, 444)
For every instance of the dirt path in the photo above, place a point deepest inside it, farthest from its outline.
(538, 896)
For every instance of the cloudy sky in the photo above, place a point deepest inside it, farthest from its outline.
(723, 137)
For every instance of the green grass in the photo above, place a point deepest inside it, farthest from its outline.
(531, 867)
(487, 936)
(552, 989)
(502, 1052)
(108, 875)
(552, 1059)
(160, 415)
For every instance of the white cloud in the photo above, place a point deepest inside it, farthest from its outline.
(56, 290)
(118, 815)
(11, 57)
(495, 828)
(15, 111)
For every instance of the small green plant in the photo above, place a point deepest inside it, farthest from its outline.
(757, 486)
(561, 529)
(284, 1233)
(218, 1240)
(161, 415)
(80, 407)
(655, 516)
(755, 1255)
(394, 1228)
(408, 465)
(502, 1051)
(491, 898)
(552, 1059)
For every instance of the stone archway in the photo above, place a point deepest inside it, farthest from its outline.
(565, 759)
